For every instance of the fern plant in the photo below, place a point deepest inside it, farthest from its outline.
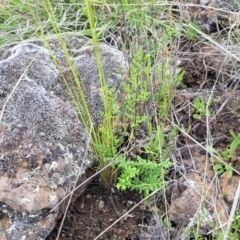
(142, 175)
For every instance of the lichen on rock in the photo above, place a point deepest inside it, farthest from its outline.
(44, 148)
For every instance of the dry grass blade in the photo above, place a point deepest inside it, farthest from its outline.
(233, 211)
(125, 214)
(214, 42)
(74, 187)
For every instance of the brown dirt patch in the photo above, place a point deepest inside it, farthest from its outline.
(95, 210)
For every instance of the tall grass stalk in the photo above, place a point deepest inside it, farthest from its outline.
(146, 31)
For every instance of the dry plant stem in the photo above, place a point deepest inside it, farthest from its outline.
(15, 87)
(214, 42)
(84, 182)
(210, 232)
(231, 215)
(94, 175)
(233, 210)
(200, 145)
(70, 198)
(167, 3)
(114, 204)
(125, 214)
(220, 109)
(215, 203)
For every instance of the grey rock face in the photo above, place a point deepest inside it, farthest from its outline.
(114, 65)
(44, 147)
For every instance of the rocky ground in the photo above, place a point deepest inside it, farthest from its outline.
(211, 75)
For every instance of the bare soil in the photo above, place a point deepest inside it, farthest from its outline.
(96, 209)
